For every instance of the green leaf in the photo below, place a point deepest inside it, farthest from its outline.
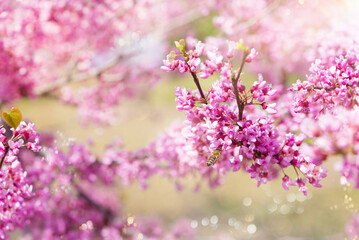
(240, 46)
(13, 118)
(171, 56)
(181, 45)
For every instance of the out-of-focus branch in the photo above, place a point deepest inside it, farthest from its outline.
(106, 212)
(251, 21)
(5, 153)
(79, 77)
(95, 73)
(177, 22)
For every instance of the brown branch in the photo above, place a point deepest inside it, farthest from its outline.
(81, 76)
(196, 81)
(6, 151)
(235, 79)
(326, 89)
(106, 212)
(245, 54)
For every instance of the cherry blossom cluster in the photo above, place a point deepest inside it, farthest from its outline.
(69, 194)
(330, 84)
(227, 120)
(336, 133)
(66, 202)
(15, 187)
(15, 81)
(264, 25)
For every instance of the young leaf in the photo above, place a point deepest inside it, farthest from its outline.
(13, 118)
(171, 56)
(181, 45)
(240, 46)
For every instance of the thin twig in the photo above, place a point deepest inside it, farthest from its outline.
(5, 153)
(245, 54)
(235, 79)
(196, 81)
(326, 89)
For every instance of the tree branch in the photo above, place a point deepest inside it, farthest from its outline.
(62, 81)
(196, 81)
(5, 153)
(106, 212)
(326, 89)
(251, 21)
(235, 79)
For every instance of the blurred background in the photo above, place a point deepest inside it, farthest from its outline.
(236, 210)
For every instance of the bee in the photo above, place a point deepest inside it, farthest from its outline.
(214, 157)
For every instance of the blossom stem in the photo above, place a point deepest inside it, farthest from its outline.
(17, 137)
(326, 89)
(3, 158)
(196, 81)
(284, 78)
(235, 79)
(245, 54)
(295, 170)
